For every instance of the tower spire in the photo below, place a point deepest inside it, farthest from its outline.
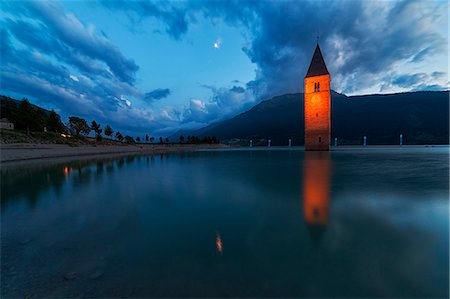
(317, 66)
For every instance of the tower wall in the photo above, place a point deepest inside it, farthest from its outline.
(317, 113)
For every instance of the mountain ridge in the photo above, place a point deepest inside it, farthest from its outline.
(421, 116)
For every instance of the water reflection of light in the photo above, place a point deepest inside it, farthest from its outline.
(219, 244)
(66, 170)
(316, 192)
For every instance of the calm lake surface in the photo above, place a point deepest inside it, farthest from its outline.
(363, 222)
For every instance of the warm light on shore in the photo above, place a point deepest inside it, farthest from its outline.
(66, 170)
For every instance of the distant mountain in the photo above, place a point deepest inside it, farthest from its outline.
(422, 117)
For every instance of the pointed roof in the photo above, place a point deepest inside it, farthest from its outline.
(317, 66)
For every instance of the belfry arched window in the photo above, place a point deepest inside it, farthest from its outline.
(316, 86)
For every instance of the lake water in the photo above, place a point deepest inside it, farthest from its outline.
(363, 222)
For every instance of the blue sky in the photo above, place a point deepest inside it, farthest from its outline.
(159, 66)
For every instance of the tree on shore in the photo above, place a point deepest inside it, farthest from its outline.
(97, 129)
(166, 140)
(146, 137)
(152, 138)
(119, 136)
(27, 118)
(108, 131)
(54, 122)
(79, 125)
(138, 139)
(181, 138)
(41, 120)
(194, 139)
(160, 140)
(129, 139)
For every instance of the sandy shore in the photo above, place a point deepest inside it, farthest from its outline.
(26, 151)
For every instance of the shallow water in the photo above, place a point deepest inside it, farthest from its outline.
(350, 223)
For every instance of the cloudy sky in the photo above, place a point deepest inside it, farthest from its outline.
(155, 66)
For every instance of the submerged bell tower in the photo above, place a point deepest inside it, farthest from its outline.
(317, 101)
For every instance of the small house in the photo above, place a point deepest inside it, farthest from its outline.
(6, 124)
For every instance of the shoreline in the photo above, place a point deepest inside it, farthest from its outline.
(16, 152)
(22, 152)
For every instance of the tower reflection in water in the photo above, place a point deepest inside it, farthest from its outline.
(316, 192)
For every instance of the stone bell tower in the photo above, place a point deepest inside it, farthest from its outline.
(317, 103)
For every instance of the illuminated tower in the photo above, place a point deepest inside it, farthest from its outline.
(317, 103)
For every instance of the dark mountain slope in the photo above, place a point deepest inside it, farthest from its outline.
(422, 117)
(8, 106)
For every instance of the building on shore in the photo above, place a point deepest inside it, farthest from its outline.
(6, 124)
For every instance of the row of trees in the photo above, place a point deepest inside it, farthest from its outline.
(197, 140)
(28, 117)
(81, 128)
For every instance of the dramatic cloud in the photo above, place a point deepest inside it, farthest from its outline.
(66, 65)
(70, 39)
(224, 103)
(157, 94)
(360, 39)
(409, 80)
(415, 82)
(356, 47)
(175, 18)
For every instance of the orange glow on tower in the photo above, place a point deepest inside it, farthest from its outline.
(317, 101)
